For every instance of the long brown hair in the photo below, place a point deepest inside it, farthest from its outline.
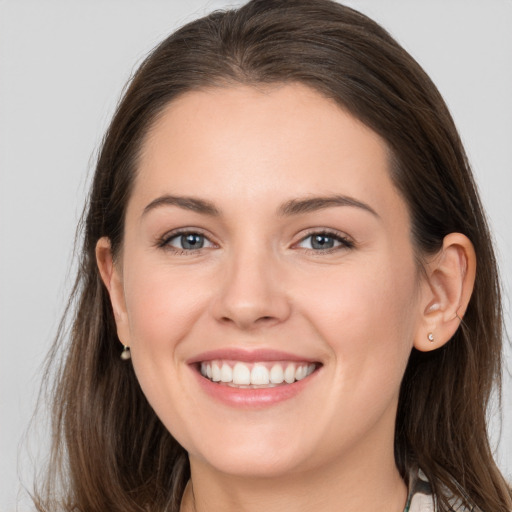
(110, 450)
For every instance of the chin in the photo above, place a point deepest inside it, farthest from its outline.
(247, 454)
(257, 465)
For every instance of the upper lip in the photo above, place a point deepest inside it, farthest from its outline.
(249, 356)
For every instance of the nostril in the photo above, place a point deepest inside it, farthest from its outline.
(269, 318)
(266, 320)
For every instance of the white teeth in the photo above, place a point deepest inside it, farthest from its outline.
(241, 374)
(300, 372)
(276, 374)
(255, 374)
(226, 373)
(206, 370)
(289, 373)
(259, 375)
(215, 372)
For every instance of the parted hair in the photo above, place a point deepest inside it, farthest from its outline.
(110, 451)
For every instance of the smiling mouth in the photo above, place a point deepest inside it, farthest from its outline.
(255, 375)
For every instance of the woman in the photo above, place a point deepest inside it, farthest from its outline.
(283, 232)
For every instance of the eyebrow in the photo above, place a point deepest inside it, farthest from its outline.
(311, 204)
(187, 203)
(289, 208)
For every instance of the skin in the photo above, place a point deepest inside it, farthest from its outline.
(357, 309)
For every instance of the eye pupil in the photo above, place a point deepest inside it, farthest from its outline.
(322, 242)
(192, 241)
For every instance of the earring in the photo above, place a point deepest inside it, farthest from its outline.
(430, 337)
(125, 354)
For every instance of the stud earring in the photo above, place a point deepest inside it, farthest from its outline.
(126, 354)
(430, 337)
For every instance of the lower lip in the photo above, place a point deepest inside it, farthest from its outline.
(253, 397)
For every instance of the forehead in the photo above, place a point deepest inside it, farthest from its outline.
(243, 143)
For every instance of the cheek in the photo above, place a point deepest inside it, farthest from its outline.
(367, 313)
(366, 316)
(162, 308)
(162, 304)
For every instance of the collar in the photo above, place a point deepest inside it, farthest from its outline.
(420, 498)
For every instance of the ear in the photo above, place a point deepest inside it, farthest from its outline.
(112, 278)
(446, 292)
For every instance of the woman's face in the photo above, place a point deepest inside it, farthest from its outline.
(267, 248)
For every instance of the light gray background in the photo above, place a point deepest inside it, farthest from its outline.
(62, 67)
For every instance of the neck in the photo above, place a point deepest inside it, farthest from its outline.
(343, 487)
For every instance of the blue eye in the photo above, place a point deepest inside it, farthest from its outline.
(187, 241)
(324, 242)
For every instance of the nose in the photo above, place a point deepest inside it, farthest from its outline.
(251, 292)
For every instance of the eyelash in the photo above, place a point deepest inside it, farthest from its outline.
(164, 242)
(345, 242)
